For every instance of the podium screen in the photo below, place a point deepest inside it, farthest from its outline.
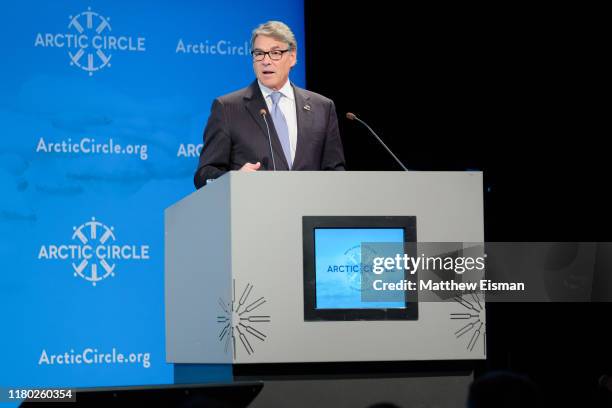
(338, 269)
(337, 252)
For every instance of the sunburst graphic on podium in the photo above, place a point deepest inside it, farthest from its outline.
(241, 320)
(473, 326)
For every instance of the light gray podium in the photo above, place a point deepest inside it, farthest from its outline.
(238, 241)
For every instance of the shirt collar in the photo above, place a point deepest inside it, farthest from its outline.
(286, 90)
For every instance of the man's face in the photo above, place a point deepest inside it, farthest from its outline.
(272, 74)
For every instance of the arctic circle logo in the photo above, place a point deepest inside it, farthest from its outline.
(94, 251)
(92, 23)
(90, 43)
(87, 234)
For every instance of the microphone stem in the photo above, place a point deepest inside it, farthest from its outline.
(269, 141)
(381, 142)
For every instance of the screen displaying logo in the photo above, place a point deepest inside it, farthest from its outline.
(339, 268)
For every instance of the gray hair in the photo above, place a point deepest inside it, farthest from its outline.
(277, 30)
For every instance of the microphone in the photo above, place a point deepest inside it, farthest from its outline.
(352, 116)
(263, 114)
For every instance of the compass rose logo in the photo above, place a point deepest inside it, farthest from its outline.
(473, 327)
(241, 320)
(90, 268)
(359, 258)
(89, 24)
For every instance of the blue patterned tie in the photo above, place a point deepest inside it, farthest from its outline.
(280, 124)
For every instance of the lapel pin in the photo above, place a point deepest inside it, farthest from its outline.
(307, 107)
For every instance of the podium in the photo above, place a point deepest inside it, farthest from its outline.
(234, 267)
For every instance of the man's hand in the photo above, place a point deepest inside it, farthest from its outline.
(251, 167)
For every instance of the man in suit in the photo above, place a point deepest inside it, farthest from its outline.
(272, 124)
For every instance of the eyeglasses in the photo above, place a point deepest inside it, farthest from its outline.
(275, 55)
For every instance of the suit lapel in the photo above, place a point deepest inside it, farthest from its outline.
(254, 103)
(304, 122)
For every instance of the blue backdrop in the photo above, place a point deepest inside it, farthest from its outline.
(103, 105)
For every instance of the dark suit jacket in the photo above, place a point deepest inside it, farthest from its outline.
(236, 133)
